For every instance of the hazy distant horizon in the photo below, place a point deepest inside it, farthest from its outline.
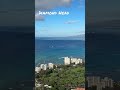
(62, 36)
(76, 37)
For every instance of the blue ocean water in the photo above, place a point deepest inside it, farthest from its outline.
(53, 50)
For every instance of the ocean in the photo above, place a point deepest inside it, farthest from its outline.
(54, 50)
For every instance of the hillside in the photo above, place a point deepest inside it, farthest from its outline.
(63, 78)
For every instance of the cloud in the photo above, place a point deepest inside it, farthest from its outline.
(39, 17)
(81, 3)
(50, 4)
(72, 22)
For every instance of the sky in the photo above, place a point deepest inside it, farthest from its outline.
(97, 11)
(17, 14)
(60, 25)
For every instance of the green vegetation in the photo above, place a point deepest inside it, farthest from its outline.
(62, 77)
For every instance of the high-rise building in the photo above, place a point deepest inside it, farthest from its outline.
(99, 86)
(110, 83)
(72, 60)
(93, 81)
(80, 60)
(37, 69)
(43, 66)
(67, 61)
(50, 65)
(103, 83)
(99, 83)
